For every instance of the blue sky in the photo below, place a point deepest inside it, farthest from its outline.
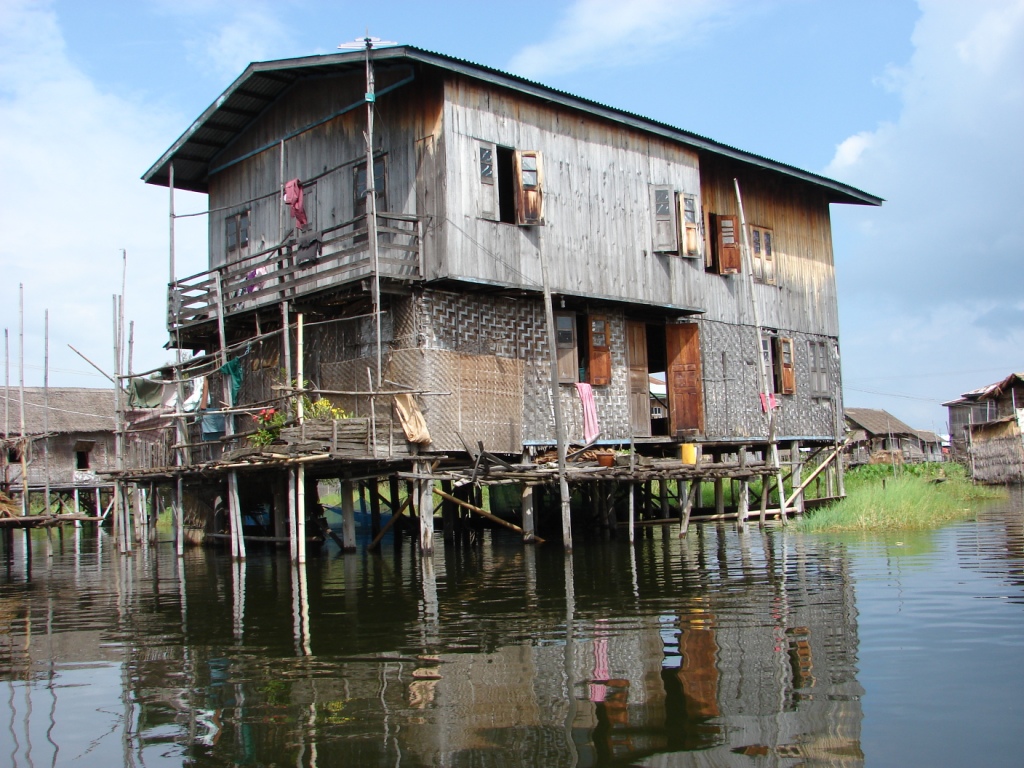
(921, 103)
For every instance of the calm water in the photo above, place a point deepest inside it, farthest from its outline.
(726, 648)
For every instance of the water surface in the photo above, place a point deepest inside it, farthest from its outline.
(745, 648)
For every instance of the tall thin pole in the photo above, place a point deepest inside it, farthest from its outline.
(21, 405)
(762, 371)
(7, 404)
(371, 204)
(170, 192)
(46, 406)
(563, 484)
(300, 490)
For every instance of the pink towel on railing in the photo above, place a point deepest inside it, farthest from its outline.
(590, 427)
(293, 198)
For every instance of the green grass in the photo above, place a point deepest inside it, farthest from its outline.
(913, 497)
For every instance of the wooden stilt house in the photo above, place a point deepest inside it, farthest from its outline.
(421, 264)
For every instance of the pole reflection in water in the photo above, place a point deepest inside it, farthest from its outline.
(713, 649)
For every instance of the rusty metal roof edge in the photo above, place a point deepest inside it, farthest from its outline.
(523, 85)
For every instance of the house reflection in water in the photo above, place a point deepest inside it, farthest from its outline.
(714, 650)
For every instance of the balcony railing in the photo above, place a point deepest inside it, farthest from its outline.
(298, 268)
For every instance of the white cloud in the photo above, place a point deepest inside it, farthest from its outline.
(938, 263)
(71, 155)
(596, 33)
(254, 33)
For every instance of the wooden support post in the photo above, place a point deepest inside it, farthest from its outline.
(743, 503)
(374, 490)
(179, 516)
(719, 496)
(765, 483)
(348, 517)
(300, 514)
(235, 511)
(154, 514)
(526, 505)
(630, 488)
(78, 510)
(293, 525)
(425, 486)
(696, 494)
(797, 464)
(686, 494)
(663, 486)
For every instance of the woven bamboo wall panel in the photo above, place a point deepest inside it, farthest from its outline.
(486, 400)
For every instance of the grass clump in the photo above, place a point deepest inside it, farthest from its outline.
(914, 497)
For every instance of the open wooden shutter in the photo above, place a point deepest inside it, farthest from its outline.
(663, 221)
(487, 191)
(565, 345)
(785, 373)
(639, 379)
(529, 188)
(727, 241)
(689, 229)
(600, 354)
(769, 256)
(683, 378)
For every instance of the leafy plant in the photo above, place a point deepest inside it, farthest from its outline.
(268, 426)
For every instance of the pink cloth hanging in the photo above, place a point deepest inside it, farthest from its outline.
(293, 198)
(768, 402)
(590, 426)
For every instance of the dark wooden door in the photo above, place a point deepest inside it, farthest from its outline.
(685, 393)
(639, 379)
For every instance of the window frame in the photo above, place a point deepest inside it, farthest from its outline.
(818, 364)
(664, 221)
(762, 254)
(236, 232)
(690, 239)
(380, 186)
(565, 348)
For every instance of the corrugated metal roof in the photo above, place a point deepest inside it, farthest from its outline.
(877, 422)
(264, 82)
(71, 409)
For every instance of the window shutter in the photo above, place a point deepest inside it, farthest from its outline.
(785, 373)
(487, 171)
(689, 229)
(565, 345)
(529, 188)
(727, 233)
(769, 257)
(600, 354)
(663, 219)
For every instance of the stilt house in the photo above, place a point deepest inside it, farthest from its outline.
(987, 425)
(421, 266)
(68, 442)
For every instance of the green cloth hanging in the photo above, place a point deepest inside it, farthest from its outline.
(233, 370)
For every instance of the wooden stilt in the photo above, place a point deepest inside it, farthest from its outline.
(686, 492)
(484, 513)
(426, 509)
(348, 517)
(300, 514)
(719, 497)
(374, 489)
(526, 505)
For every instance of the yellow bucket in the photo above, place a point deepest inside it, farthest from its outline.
(688, 453)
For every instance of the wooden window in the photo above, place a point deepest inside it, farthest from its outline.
(689, 229)
(487, 157)
(664, 226)
(762, 256)
(817, 357)
(767, 350)
(529, 179)
(81, 460)
(726, 244)
(784, 370)
(565, 345)
(359, 188)
(236, 231)
(599, 353)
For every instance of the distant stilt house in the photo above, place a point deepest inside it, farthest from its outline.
(505, 262)
(67, 447)
(985, 429)
(878, 436)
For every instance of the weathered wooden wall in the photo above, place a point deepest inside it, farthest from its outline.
(62, 460)
(408, 121)
(997, 451)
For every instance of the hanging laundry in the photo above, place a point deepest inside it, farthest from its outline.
(591, 429)
(293, 199)
(233, 370)
(768, 402)
(308, 249)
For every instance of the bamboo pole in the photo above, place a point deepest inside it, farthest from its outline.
(484, 513)
(387, 526)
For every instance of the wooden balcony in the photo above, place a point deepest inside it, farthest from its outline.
(291, 271)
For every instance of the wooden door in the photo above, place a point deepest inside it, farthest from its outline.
(683, 377)
(639, 379)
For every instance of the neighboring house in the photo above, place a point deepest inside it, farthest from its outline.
(478, 178)
(931, 445)
(876, 432)
(69, 438)
(985, 427)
